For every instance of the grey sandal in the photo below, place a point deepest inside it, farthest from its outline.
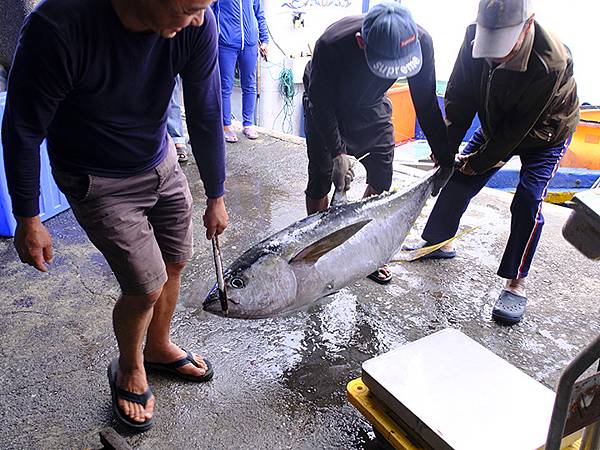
(509, 308)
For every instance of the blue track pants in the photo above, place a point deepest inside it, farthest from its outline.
(538, 166)
(246, 59)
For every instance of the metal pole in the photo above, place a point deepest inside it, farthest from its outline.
(573, 371)
(591, 437)
(220, 278)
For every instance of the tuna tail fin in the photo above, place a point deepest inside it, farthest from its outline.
(317, 249)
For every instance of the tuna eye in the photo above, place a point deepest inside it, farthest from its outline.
(237, 283)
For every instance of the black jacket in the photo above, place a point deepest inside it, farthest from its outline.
(341, 88)
(535, 108)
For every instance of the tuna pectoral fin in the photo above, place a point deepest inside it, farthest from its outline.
(314, 251)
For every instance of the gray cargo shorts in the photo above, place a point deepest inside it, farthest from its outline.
(138, 223)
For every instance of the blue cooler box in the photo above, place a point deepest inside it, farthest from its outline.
(52, 201)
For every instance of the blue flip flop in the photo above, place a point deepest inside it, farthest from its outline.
(509, 308)
(172, 367)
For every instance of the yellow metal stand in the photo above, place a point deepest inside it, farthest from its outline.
(359, 396)
(373, 411)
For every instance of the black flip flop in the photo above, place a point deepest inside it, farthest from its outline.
(171, 368)
(377, 279)
(116, 393)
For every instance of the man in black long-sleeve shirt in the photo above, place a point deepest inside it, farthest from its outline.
(95, 77)
(355, 62)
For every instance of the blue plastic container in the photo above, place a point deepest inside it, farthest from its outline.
(52, 201)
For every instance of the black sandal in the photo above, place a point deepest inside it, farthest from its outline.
(171, 368)
(117, 392)
(378, 277)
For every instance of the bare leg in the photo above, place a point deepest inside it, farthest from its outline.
(516, 286)
(370, 191)
(321, 204)
(382, 272)
(448, 247)
(159, 348)
(316, 205)
(131, 316)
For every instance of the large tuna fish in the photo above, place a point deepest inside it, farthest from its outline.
(321, 253)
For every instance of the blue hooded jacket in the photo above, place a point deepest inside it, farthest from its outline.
(241, 23)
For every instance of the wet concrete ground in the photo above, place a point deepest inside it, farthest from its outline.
(280, 382)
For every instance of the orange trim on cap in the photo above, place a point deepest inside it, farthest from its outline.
(405, 42)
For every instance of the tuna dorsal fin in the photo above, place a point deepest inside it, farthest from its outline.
(317, 249)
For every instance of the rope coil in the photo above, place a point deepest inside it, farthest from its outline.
(287, 91)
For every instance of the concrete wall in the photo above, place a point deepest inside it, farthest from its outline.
(295, 44)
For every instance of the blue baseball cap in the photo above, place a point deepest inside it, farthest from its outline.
(392, 41)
